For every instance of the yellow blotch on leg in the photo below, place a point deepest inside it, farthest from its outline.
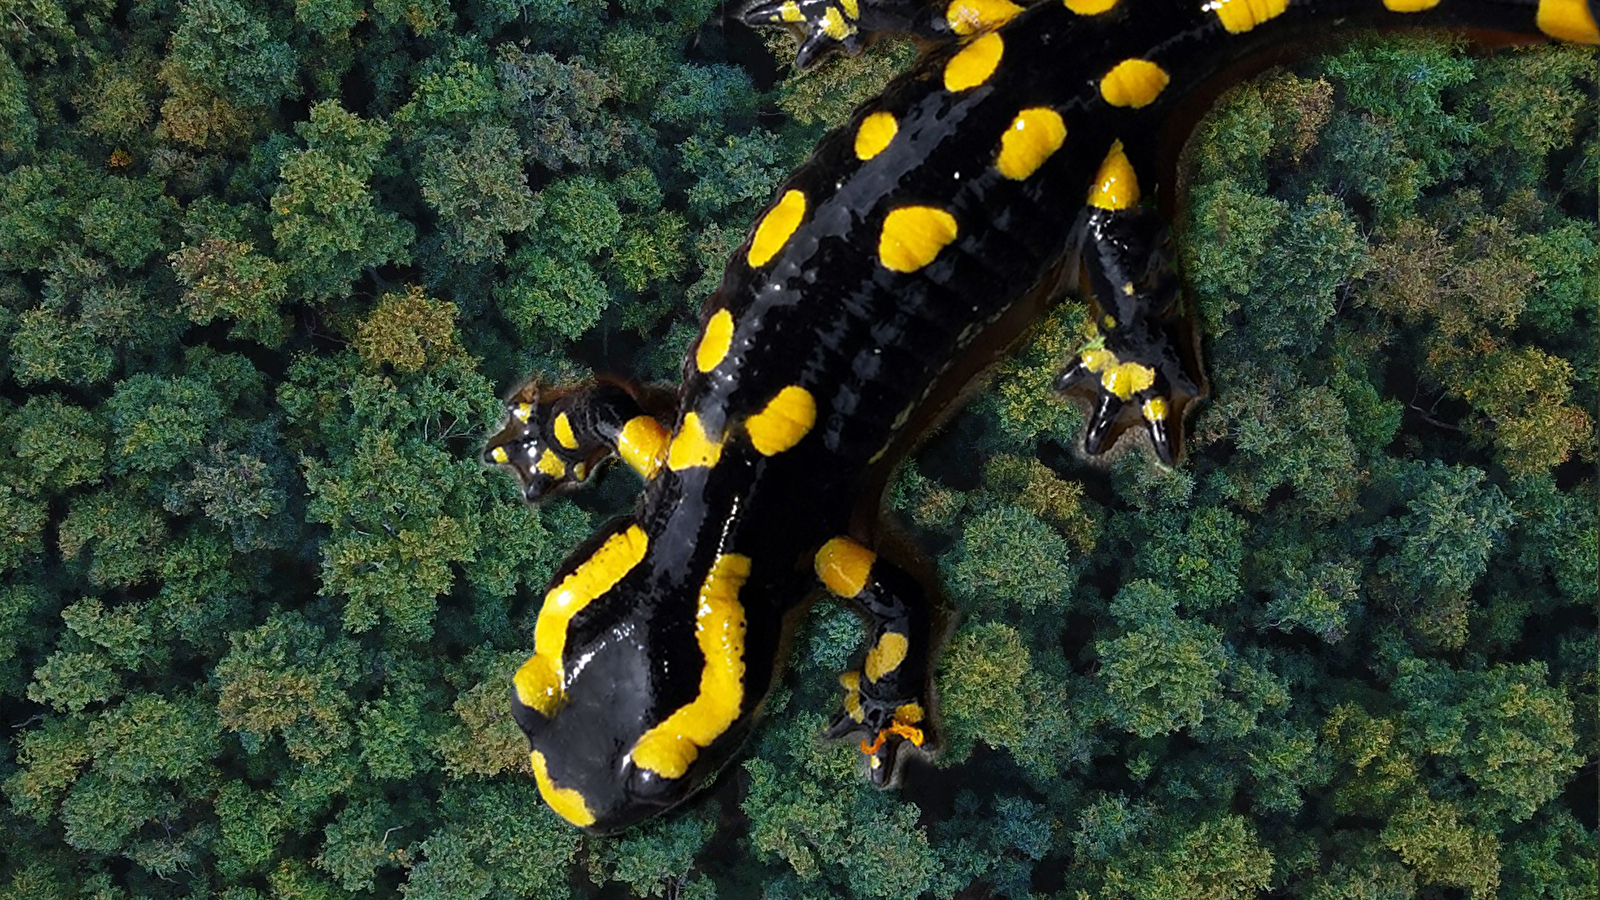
(642, 444)
(786, 418)
(1133, 83)
(886, 655)
(567, 802)
(875, 133)
(1033, 136)
(972, 16)
(715, 341)
(550, 464)
(1155, 409)
(844, 566)
(1567, 20)
(563, 430)
(776, 227)
(974, 64)
(1127, 379)
(1239, 16)
(1115, 185)
(852, 696)
(833, 24)
(1090, 7)
(672, 746)
(691, 447)
(500, 455)
(913, 236)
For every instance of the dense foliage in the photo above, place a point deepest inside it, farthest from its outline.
(266, 266)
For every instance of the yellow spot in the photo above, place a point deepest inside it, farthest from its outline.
(875, 133)
(785, 419)
(974, 64)
(1409, 6)
(1155, 409)
(567, 802)
(615, 558)
(1098, 360)
(716, 340)
(833, 25)
(852, 9)
(538, 686)
(641, 444)
(669, 748)
(852, 695)
(913, 236)
(550, 464)
(691, 448)
(1090, 7)
(1567, 20)
(1127, 287)
(1034, 135)
(790, 12)
(844, 565)
(909, 713)
(1127, 379)
(886, 656)
(523, 411)
(579, 471)
(1133, 83)
(972, 16)
(563, 430)
(1115, 185)
(1107, 321)
(776, 228)
(1239, 16)
(499, 455)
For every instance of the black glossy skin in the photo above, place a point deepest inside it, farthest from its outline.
(876, 348)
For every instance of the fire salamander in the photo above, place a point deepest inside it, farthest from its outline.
(919, 240)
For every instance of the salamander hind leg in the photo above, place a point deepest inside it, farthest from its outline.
(1143, 365)
(886, 701)
(556, 438)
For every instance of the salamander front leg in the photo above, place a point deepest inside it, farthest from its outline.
(1144, 364)
(554, 439)
(886, 700)
(825, 25)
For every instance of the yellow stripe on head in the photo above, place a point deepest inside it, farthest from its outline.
(691, 448)
(714, 341)
(875, 133)
(1034, 135)
(1090, 7)
(974, 64)
(1115, 185)
(781, 424)
(1239, 16)
(913, 236)
(641, 444)
(844, 566)
(1133, 83)
(1568, 20)
(539, 683)
(671, 747)
(776, 227)
(972, 16)
(567, 802)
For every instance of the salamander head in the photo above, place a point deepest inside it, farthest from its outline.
(636, 693)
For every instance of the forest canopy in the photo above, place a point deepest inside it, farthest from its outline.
(266, 269)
